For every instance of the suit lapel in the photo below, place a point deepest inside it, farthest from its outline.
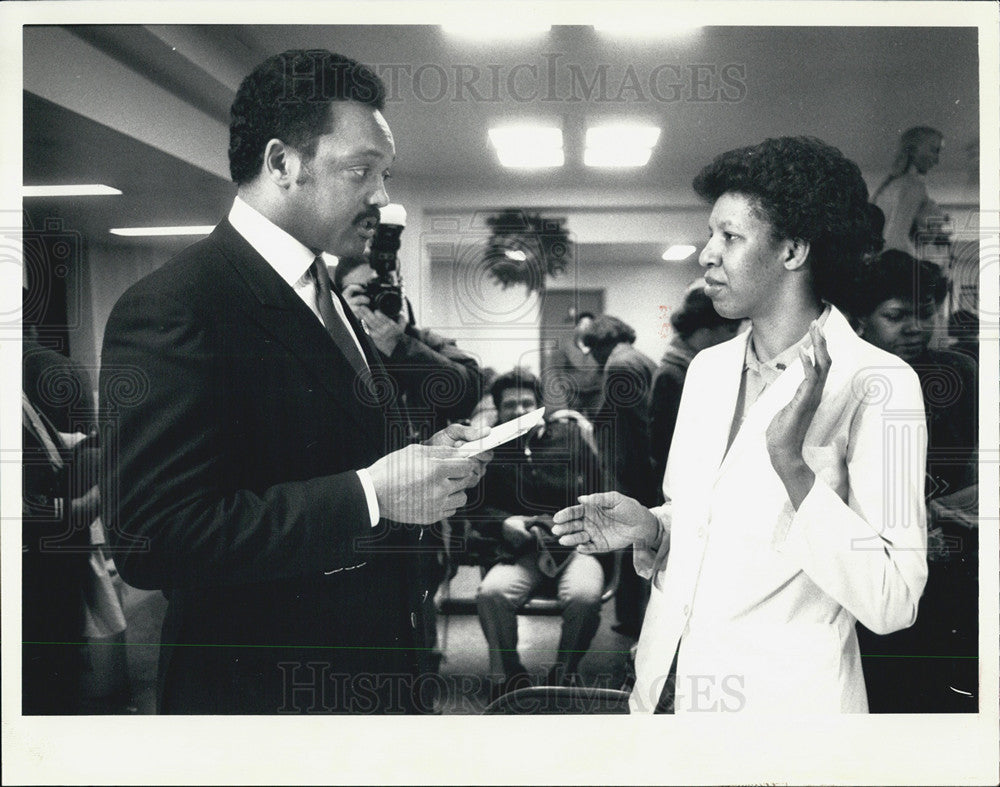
(272, 304)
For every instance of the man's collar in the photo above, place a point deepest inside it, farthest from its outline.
(289, 258)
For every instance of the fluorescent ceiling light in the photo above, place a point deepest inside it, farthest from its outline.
(529, 159)
(133, 232)
(480, 27)
(677, 253)
(627, 135)
(608, 157)
(527, 146)
(76, 190)
(540, 137)
(620, 145)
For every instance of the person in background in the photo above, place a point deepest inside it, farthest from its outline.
(912, 218)
(530, 479)
(485, 412)
(963, 328)
(60, 500)
(697, 325)
(571, 378)
(621, 428)
(931, 667)
(777, 533)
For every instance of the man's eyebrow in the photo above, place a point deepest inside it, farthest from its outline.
(369, 153)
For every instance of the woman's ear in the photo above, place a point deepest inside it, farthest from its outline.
(796, 254)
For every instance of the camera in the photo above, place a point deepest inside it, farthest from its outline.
(385, 292)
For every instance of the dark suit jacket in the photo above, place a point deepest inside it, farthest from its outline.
(664, 402)
(234, 426)
(622, 422)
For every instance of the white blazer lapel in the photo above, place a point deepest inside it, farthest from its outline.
(719, 398)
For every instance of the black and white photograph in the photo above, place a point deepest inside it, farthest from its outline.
(404, 368)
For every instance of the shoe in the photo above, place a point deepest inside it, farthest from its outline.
(626, 630)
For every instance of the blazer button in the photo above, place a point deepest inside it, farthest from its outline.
(687, 610)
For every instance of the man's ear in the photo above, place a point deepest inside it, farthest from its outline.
(797, 250)
(281, 163)
(860, 325)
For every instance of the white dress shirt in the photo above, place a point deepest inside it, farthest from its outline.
(292, 260)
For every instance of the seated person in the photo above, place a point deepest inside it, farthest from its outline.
(897, 301)
(529, 479)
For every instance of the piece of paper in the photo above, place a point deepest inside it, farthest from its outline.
(504, 433)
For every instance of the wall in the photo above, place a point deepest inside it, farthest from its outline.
(455, 296)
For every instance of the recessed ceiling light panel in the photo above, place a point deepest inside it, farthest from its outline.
(70, 190)
(526, 146)
(678, 253)
(149, 232)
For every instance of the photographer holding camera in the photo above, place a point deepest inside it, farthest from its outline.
(437, 381)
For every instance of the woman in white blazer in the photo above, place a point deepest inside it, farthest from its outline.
(794, 482)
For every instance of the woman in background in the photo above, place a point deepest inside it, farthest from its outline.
(912, 218)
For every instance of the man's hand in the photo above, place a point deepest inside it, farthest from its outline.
(788, 428)
(458, 434)
(423, 484)
(384, 332)
(604, 522)
(454, 435)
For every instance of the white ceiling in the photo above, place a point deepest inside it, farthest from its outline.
(855, 87)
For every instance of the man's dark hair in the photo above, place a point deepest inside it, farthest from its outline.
(807, 190)
(696, 312)
(288, 97)
(607, 331)
(516, 378)
(895, 274)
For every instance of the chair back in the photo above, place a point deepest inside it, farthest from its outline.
(545, 700)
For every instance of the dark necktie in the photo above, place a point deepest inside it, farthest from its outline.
(335, 326)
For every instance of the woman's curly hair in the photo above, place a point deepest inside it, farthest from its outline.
(895, 274)
(288, 97)
(807, 190)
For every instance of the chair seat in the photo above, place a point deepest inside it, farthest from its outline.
(544, 700)
(464, 601)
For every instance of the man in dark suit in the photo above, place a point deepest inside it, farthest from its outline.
(622, 429)
(256, 466)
